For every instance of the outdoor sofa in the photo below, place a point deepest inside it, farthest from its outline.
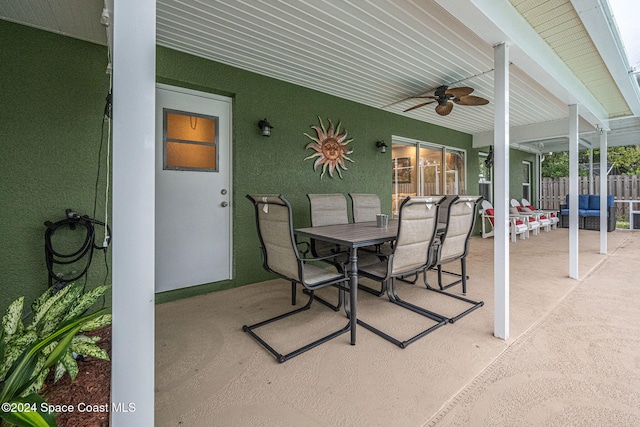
(589, 212)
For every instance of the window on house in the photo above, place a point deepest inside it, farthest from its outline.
(526, 180)
(190, 141)
(485, 178)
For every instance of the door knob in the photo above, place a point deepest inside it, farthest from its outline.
(224, 204)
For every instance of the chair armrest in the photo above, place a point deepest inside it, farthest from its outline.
(306, 250)
(322, 258)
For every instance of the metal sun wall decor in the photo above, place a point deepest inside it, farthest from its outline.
(330, 148)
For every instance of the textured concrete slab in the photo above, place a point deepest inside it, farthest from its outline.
(209, 372)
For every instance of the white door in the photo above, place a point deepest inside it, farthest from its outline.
(193, 188)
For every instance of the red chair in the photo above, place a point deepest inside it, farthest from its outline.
(516, 224)
(551, 215)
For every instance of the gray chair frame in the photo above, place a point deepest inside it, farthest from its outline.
(364, 208)
(285, 261)
(411, 254)
(329, 209)
(454, 246)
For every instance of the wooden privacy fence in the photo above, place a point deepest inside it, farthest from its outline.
(623, 187)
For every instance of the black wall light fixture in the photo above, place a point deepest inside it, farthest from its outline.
(265, 127)
(382, 146)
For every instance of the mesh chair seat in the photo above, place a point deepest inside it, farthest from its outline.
(314, 274)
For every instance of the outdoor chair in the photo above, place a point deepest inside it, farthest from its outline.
(550, 214)
(454, 246)
(529, 219)
(541, 218)
(516, 225)
(280, 255)
(443, 215)
(364, 208)
(329, 209)
(418, 219)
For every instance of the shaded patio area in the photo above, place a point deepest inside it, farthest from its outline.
(572, 355)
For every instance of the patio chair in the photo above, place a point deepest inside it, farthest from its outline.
(516, 225)
(541, 218)
(418, 219)
(364, 208)
(280, 255)
(454, 246)
(329, 209)
(550, 214)
(443, 215)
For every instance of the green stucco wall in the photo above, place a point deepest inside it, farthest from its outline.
(52, 97)
(53, 91)
(275, 164)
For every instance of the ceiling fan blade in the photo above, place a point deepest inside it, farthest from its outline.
(471, 100)
(459, 92)
(443, 110)
(418, 106)
(425, 96)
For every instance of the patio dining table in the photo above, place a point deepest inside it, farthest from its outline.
(353, 236)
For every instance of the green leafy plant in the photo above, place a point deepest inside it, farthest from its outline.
(51, 338)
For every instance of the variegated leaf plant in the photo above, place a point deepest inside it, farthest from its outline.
(51, 338)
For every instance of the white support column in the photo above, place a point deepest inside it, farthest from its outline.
(603, 191)
(501, 186)
(591, 184)
(538, 201)
(134, 72)
(573, 191)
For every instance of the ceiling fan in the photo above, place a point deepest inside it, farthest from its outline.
(446, 97)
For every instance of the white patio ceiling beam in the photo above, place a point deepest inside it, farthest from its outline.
(533, 132)
(497, 21)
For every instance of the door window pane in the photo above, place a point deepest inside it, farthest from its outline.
(430, 171)
(190, 141)
(403, 170)
(424, 169)
(455, 182)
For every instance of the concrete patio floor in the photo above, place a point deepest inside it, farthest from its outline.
(573, 356)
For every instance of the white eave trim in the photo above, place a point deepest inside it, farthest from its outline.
(597, 19)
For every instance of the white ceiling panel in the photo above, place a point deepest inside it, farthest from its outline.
(74, 18)
(375, 52)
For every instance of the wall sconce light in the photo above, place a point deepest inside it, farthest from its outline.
(265, 127)
(382, 146)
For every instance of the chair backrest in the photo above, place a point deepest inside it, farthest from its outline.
(487, 208)
(525, 202)
(443, 213)
(328, 209)
(417, 226)
(275, 231)
(515, 203)
(365, 207)
(462, 218)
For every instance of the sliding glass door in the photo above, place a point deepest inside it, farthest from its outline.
(425, 169)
